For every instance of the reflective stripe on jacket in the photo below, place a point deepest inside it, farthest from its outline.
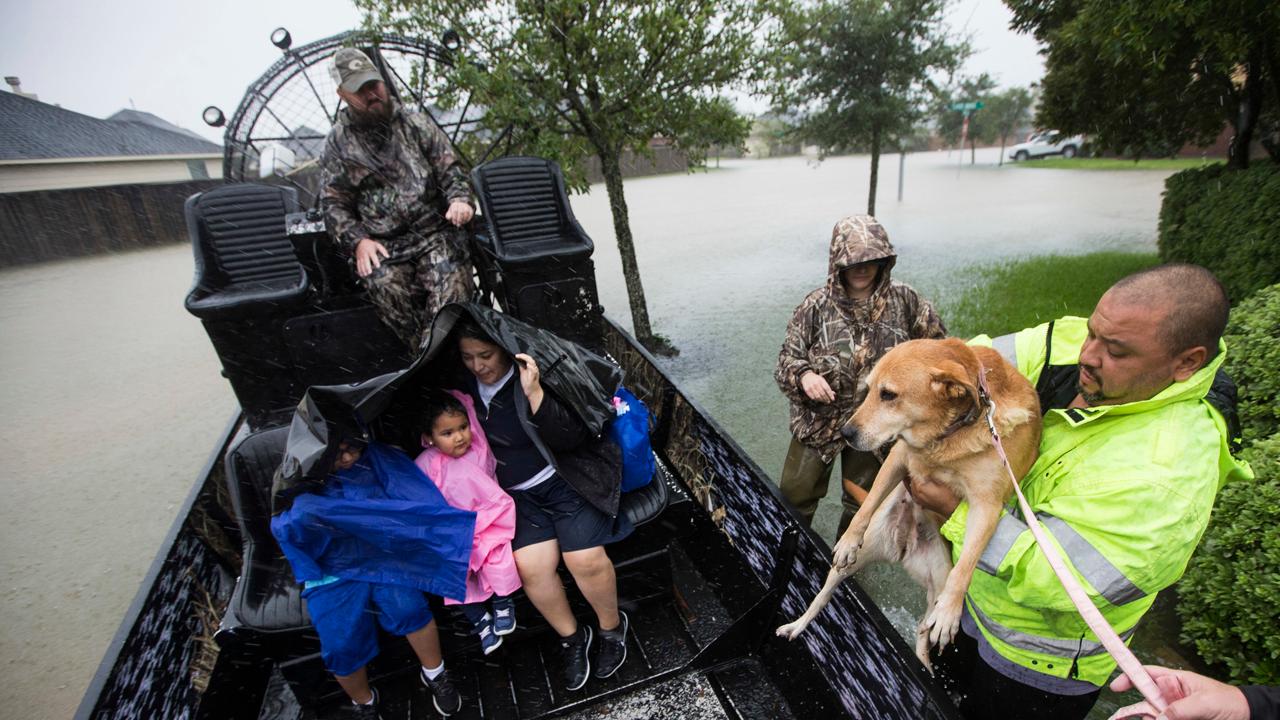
(1125, 492)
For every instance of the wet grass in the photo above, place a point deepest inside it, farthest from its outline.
(1080, 163)
(1010, 296)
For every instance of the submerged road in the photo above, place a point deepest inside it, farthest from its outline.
(112, 399)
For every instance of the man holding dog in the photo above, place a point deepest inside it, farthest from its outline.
(1136, 444)
(395, 198)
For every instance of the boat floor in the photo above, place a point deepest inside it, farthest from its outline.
(673, 613)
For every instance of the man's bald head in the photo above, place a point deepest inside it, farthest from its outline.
(1187, 301)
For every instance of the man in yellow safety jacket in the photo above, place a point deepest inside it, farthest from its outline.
(1137, 441)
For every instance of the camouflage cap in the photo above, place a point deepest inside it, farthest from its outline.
(352, 68)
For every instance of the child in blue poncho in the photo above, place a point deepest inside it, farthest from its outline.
(366, 546)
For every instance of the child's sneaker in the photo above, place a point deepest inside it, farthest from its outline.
(489, 640)
(504, 616)
(443, 694)
(365, 712)
(613, 648)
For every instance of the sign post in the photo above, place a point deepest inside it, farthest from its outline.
(968, 109)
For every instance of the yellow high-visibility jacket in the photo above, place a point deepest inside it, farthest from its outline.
(1125, 491)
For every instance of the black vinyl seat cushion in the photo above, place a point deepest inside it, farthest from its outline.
(244, 258)
(648, 502)
(526, 211)
(266, 600)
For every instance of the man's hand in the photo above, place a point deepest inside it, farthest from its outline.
(1190, 697)
(932, 495)
(816, 387)
(367, 256)
(530, 381)
(459, 213)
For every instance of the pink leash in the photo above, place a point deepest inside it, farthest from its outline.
(1123, 656)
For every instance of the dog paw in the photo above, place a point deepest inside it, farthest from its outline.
(943, 622)
(791, 630)
(845, 553)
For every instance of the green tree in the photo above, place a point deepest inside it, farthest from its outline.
(858, 73)
(589, 77)
(1007, 111)
(951, 122)
(1145, 78)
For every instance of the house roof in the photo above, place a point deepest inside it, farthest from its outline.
(33, 130)
(146, 118)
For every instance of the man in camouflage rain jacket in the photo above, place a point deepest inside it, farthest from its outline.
(834, 338)
(396, 199)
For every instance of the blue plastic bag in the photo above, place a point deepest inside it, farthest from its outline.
(630, 430)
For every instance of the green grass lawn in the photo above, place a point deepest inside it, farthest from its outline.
(1079, 163)
(1010, 296)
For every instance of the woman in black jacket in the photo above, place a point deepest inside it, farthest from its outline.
(565, 486)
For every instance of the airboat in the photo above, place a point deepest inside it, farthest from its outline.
(718, 560)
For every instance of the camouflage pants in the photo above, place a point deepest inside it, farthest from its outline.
(408, 294)
(805, 479)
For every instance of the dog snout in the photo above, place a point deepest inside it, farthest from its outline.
(850, 434)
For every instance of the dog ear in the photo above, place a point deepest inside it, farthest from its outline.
(951, 380)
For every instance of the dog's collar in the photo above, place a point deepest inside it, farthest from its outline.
(975, 411)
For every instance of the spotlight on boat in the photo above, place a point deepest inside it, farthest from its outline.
(281, 38)
(451, 40)
(213, 116)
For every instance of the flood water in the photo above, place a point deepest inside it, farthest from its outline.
(112, 398)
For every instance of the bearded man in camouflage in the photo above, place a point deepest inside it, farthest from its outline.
(836, 335)
(396, 199)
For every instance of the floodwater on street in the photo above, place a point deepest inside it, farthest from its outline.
(112, 398)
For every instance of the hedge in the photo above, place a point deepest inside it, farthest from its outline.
(1227, 221)
(1253, 361)
(1229, 599)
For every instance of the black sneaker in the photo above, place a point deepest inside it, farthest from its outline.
(576, 650)
(365, 712)
(613, 649)
(443, 694)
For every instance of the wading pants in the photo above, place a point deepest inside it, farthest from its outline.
(408, 294)
(805, 479)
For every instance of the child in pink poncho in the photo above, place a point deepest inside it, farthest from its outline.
(458, 460)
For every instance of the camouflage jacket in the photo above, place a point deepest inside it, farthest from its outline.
(391, 182)
(841, 339)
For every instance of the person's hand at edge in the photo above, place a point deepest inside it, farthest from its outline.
(932, 495)
(1190, 696)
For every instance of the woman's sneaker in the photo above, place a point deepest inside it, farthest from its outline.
(443, 694)
(504, 616)
(576, 650)
(489, 640)
(613, 648)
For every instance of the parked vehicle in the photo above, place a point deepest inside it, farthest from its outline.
(1047, 142)
(218, 630)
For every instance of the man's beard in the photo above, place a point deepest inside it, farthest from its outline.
(379, 114)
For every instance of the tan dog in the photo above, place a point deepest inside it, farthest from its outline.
(923, 396)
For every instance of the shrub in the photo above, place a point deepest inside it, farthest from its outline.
(1227, 221)
(1253, 361)
(1230, 595)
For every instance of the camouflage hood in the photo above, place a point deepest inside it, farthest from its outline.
(858, 239)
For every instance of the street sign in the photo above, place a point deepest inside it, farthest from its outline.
(966, 106)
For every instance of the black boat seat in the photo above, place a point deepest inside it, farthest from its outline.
(648, 502)
(266, 599)
(244, 258)
(527, 212)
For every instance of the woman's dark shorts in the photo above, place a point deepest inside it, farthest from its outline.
(554, 510)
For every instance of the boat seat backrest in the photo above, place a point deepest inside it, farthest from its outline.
(251, 465)
(240, 230)
(526, 208)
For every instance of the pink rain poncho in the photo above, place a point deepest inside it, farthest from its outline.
(468, 483)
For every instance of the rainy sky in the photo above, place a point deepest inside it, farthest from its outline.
(172, 58)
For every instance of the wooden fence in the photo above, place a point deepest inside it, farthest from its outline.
(53, 224)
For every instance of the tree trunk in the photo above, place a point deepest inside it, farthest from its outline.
(875, 170)
(1002, 139)
(611, 167)
(973, 151)
(1247, 115)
